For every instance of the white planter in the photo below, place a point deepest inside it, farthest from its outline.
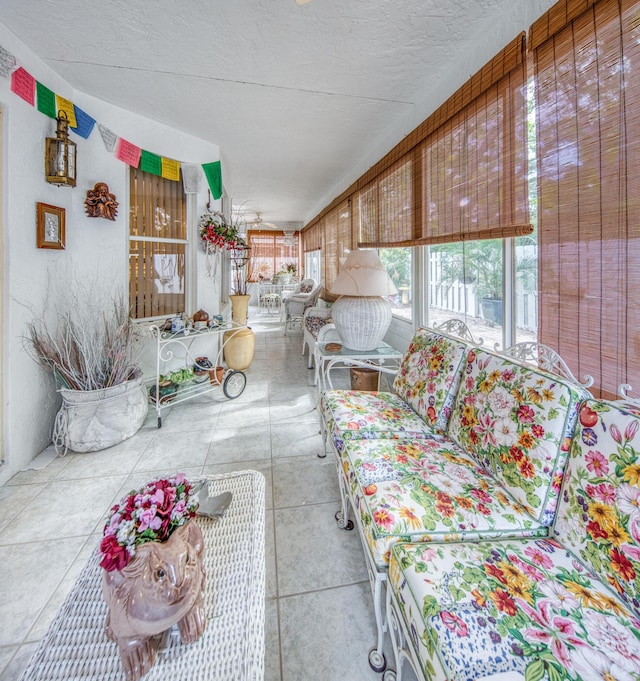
(90, 420)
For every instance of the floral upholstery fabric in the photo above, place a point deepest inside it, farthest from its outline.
(425, 490)
(599, 513)
(429, 376)
(517, 422)
(524, 605)
(359, 415)
(314, 324)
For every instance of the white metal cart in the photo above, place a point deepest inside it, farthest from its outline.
(233, 381)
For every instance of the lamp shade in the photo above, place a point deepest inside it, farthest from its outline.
(363, 274)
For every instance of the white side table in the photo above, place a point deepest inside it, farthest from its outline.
(232, 646)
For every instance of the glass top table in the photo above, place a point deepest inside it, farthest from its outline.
(327, 355)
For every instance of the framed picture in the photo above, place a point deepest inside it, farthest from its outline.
(51, 227)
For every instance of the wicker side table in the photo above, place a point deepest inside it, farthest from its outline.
(232, 646)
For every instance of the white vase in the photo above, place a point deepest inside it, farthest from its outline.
(361, 321)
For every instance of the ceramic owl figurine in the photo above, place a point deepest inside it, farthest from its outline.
(161, 586)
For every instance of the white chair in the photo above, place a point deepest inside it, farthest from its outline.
(294, 305)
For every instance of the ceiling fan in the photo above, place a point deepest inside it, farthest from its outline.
(259, 222)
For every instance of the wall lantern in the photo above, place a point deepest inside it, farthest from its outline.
(60, 155)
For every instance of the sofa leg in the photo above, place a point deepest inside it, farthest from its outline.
(342, 516)
(377, 660)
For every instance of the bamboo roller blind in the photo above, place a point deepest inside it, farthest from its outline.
(156, 268)
(268, 253)
(588, 120)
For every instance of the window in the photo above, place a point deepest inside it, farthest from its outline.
(397, 262)
(270, 254)
(157, 246)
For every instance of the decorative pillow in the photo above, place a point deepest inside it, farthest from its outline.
(306, 288)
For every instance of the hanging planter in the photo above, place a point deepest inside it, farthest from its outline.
(218, 235)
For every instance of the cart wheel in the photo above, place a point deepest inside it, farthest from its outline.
(341, 524)
(159, 421)
(389, 675)
(377, 661)
(234, 384)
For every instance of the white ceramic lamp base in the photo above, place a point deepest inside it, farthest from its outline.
(361, 321)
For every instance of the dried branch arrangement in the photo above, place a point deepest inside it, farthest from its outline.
(86, 351)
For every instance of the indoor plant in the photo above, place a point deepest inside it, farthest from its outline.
(91, 358)
(153, 577)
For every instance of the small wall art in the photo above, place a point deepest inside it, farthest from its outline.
(100, 203)
(50, 226)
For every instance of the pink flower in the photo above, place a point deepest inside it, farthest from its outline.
(149, 520)
(596, 463)
(538, 557)
(631, 430)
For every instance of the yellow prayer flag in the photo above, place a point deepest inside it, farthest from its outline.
(65, 105)
(170, 169)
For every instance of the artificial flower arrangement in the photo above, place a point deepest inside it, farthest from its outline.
(150, 513)
(219, 234)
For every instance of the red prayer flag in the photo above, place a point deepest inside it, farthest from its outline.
(24, 85)
(128, 153)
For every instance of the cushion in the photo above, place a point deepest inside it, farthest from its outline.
(599, 510)
(429, 376)
(305, 288)
(359, 415)
(517, 421)
(314, 324)
(511, 605)
(426, 490)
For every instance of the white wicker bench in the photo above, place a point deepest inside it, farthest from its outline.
(232, 646)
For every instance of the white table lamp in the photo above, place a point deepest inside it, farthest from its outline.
(361, 315)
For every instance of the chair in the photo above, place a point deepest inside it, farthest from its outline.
(456, 327)
(294, 305)
(269, 298)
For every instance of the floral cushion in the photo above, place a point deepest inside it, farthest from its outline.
(517, 421)
(511, 605)
(356, 415)
(314, 324)
(424, 490)
(599, 513)
(429, 376)
(305, 288)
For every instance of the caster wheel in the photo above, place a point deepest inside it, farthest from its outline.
(234, 384)
(322, 456)
(389, 675)
(377, 661)
(159, 421)
(342, 525)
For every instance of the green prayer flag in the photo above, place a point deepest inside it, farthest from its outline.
(46, 101)
(213, 173)
(150, 163)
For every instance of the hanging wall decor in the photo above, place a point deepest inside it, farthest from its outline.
(50, 226)
(100, 203)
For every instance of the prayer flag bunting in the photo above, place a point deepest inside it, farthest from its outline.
(170, 169)
(46, 101)
(190, 178)
(7, 62)
(150, 163)
(108, 137)
(213, 173)
(66, 107)
(24, 85)
(84, 122)
(128, 153)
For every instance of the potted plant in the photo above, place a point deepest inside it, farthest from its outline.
(217, 234)
(91, 357)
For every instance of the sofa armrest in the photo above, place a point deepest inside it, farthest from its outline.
(321, 312)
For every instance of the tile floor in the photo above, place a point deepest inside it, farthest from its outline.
(319, 613)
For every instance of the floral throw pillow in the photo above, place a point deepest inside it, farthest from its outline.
(599, 512)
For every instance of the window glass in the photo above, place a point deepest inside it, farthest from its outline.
(466, 282)
(157, 246)
(398, 264)
(312, 265)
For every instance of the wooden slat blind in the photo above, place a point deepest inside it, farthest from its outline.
(330, 249)
(345, 232)
(475, 166)
(156, 267)
(588, 129)
(510, 58)
(385, 207)
(268, 253)
(312, 238)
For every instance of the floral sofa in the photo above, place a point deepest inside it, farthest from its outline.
(454, 482)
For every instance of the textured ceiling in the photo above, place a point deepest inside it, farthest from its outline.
(295, 96)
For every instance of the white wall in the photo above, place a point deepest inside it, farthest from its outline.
(37, 281)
